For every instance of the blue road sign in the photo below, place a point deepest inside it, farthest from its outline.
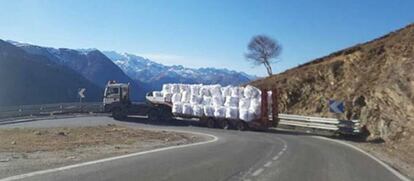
(336, 106)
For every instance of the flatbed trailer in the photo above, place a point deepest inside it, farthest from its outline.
(116, 101)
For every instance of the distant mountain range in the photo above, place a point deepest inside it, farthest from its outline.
(33, 79)
(45, 75)
(156, 74)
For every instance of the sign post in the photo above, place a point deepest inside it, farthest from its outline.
(81, 93)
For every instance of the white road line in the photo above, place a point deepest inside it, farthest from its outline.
(276, 157)
(395, 172)
(41, 172)
(257, 172)
(268, 164)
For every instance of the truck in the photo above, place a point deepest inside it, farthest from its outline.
(117, 102)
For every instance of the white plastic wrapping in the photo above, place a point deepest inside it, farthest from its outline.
(208, 111)
(226, 91)
(244, 103)
(177, 108)
(185, 97)
(195, 89)
(174, 88)
(157, 94)
(196, 99)
(246, 115)
(215, 91)
(205, 91)
(255, 105)
(217, 101)
(166, 88)
(198, 110)
(167, 97)
(237, 92)
(231, 101)
(220, 112)
(176, 98)
(232, 112)
(187, 109)
(206, 101)
(251, 92)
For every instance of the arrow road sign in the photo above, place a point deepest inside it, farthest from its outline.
(81, 92)
(336, 106)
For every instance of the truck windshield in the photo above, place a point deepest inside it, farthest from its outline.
(110, 91)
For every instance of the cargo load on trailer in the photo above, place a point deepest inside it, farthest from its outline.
(231, 102)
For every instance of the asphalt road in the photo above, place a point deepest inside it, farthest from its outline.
(234, 156)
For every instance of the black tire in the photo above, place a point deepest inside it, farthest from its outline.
(154, 115)
(241, 126)
(210, 123)
(118, 114)
(223, 124)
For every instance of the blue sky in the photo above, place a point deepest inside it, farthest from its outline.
(200, 33)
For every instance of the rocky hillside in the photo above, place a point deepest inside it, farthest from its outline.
(375, 79)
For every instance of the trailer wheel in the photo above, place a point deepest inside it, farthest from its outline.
(223, 124)
(153, 115)
(210, 123)
(118, 114)
(241, 126)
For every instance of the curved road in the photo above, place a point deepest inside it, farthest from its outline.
(234, 156)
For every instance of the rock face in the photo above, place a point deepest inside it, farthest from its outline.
(375, 79)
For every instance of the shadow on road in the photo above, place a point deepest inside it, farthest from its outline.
(172, 122)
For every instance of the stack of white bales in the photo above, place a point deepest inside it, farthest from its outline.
(213, 100)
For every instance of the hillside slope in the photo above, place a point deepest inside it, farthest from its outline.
(32, 79)
(375, 79)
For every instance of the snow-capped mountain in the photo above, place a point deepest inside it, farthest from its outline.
(150, 72)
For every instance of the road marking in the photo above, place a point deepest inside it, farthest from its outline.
(268, 164)
(276, 157)
(41, 172)
(395, 172)
(257, 172)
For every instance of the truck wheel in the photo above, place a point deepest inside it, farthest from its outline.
(210, 123)
(118, 114)
(241, 126)
(223, 124)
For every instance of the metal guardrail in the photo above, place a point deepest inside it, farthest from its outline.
(50, 109)
(330, 124)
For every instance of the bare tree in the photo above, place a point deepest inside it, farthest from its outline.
(263, 50)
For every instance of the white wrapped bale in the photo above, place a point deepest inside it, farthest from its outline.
(206, 101)
(195, 89)
(244, 103)
(186, 96)
(205, 91)
(187, 109)
(255, 106)
(184, 88)
(198, 110)
(217, 101)
(237, 92)
(157, 93)
(231, 101)
(166, 88)
(215, 90)
(175, 88)
(177, 108)
(252, 92)
(219, 112)
(226, 91)
(246, 115)
(176, 98)
(196, 99)
(167, 97)
(232, 113)
(208, 111)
